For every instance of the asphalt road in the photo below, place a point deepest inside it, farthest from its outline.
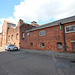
(23, 63)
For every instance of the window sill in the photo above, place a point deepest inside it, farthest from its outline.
(42, 47)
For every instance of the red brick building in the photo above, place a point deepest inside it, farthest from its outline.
(0, 39)
(58, 35)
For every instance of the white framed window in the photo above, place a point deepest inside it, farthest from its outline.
(69, 29)
(42, 33)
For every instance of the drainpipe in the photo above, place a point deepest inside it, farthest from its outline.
(65, 46)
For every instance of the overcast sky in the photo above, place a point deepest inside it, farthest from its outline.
(41, 11)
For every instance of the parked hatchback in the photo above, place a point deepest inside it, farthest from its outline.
(10, 47)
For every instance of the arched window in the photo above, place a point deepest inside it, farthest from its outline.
(23, 35)
(17, 36)
(12, 37)
(9, 37)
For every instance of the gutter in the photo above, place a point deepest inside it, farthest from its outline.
(44, 26)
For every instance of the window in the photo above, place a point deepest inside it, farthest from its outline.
(28, 34)
(59, 45)
(25, 26)
(69, 29)
(12, 37)
(5, 31)
(14, 43)
(31, 44)
(23, 35)
(42, 33)
(5, 37)
(17, 36)
(9, 37)
(42, 44)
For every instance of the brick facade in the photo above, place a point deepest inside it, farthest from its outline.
(53, 36)
(26, 36)
(0, 39)
(4, 33)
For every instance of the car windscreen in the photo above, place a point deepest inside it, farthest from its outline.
(11, 45)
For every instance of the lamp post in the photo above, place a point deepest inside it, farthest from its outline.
(65, 46)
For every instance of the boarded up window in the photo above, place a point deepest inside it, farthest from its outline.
(59, 45)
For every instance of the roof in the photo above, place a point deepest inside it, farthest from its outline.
(65, 20)
(10, 22)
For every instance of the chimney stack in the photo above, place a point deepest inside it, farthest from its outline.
(34, 23)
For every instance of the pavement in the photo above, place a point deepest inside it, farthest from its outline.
(2, 49)
(51, 53)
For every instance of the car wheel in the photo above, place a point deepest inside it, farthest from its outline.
(9, 49)
(5, 49)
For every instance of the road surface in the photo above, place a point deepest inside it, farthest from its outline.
(24, 63)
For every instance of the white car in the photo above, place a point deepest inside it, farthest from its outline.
(10, 47)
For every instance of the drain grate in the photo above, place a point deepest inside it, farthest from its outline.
(73, 61)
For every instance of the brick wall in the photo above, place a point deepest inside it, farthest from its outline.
(69, 37)
(4, 33)
(53, 36)
(23, 29)
(13, 36)
(0, 39)
(18, 31)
